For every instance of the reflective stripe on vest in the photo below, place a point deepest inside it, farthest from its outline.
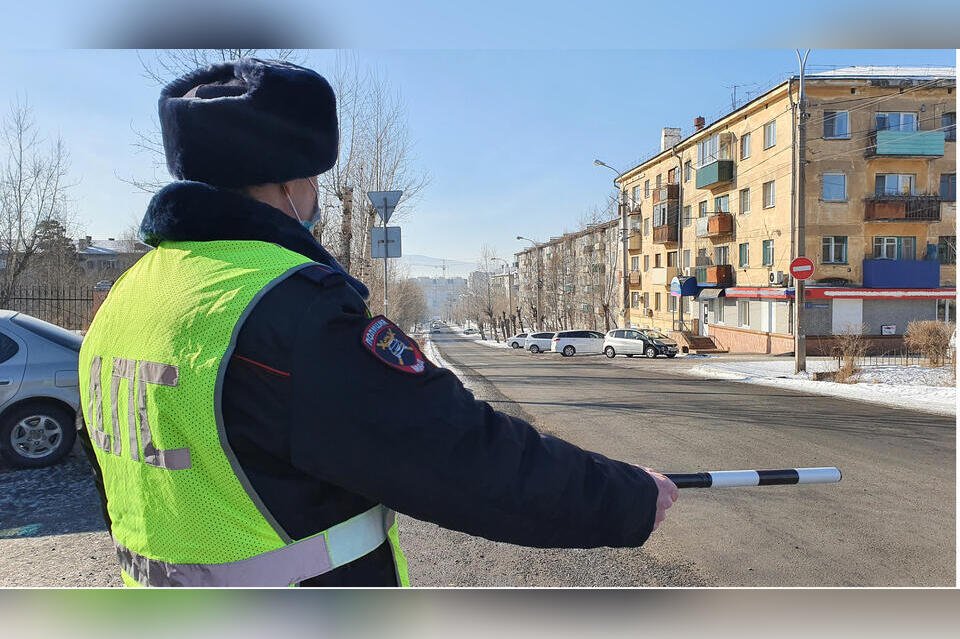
(286, 566)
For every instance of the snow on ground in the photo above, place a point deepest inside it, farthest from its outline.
(911, 387)
(476, 337)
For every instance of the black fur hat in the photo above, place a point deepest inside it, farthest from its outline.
(249, 122)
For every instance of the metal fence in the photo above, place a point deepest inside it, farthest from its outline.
(68, 306)
(897, 359)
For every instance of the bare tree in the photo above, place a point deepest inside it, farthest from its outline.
(33, 195)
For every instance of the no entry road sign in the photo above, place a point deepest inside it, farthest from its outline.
(801, 268)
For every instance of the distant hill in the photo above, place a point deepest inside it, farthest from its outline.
(426, 266)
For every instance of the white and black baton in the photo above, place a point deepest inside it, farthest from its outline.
(739, 478)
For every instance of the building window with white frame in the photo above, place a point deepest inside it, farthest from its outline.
(894, 248)
(769, 194)
(646, 188)
(635, 263)
(743, 313)
(718, 311)
(770, 134)
(687, 170)
(836, 125)
(895, 184)
(896, 121)
(768, 252)
(646, 300)
(646, 262)
(646, 226)
(687, 215)
(834, 249)
(834, 187)
(744, 201)
(744, 146)
(948, 187)
(744, 254)
(656, 301)
(659, 180)
(702, 209)
(721, 204)
(721, 255)
(686, 258)
(635, 199)
(708, 150)
(634, 299)
(948, 122)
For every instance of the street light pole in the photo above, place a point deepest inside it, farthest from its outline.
(624, 242)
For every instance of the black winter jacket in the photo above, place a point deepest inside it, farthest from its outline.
(324, 429)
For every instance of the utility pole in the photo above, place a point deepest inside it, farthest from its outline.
(799, 337)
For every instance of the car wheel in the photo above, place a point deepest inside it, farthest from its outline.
(672, 355)
(534, 348)
(610, 352)
(650, 352)
(36, 435)
(568, 351)
(514, 345)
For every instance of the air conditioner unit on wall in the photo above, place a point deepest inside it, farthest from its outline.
(777, 278)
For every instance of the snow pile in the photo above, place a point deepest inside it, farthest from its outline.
(911, 387)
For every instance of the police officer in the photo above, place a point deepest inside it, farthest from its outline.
(252, 424)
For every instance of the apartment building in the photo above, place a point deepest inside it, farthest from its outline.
(573, 281)
(713, 216)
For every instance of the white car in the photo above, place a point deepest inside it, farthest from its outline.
(517, 341)
(538, 342)
(631, 341)
(569, 343)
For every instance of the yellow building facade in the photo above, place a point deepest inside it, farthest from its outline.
(715, 213)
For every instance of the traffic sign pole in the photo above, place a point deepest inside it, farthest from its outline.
(385, 202)
(801, 268)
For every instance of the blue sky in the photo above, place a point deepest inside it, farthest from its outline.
(508, 137)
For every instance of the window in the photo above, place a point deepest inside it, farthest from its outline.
(948, 187)
(947, 311)
(745, 254)
(835, 125)
(646, 262)
(721, 204)
(769, 194)
(834, 249)
(744, 146)
(8, 348)
(708, 150)
(672, 259)
(721, 255)
(646, 300)
(896, 121)
(635, 263)
(634, 302)
(657, 260)
(656, 301)
(636, 196)
(894, 184)
(768, 252)
(672, 303)
(659, 180)
(948, 122)
(686, 258)
(894, 248)
(687, 215)
(646, 226)
(718, 311)
(743, 313)
(672, 176)
(702, 209)
(947, 249)
(744, 201)
(646, 188)
(834, 187)
(769, 134)
(687, 170)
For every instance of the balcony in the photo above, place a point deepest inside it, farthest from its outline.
(666, 234)
(923, 144)
(719, 224)
(714, 173)
(902, 208)
(718, 275)
(634, 241)
(666, 193)
(901, 274)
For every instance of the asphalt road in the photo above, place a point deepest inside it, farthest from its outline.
(890, 522)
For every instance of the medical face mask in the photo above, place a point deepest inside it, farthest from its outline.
(311, 221)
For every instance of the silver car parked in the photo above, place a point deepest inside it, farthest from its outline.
(39, 390)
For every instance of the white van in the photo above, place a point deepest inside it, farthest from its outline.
(569, 343)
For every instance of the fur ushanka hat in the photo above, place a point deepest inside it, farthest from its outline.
(249, 122)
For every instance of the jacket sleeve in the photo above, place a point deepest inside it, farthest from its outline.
(422, 445)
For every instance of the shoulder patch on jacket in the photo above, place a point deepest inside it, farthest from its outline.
(392, 346)
(321, 274)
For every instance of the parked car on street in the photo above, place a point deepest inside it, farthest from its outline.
(538, 342)
(470, 331)
(631, 341)
(39, 390)
(569, 343)
(517, 341)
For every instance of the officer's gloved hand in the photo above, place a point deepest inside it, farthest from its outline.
(667, 493)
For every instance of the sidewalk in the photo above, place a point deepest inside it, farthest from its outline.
(931, 390)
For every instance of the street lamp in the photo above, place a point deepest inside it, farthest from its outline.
(623, 240)
(536, 245)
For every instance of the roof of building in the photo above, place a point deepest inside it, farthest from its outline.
(114, 247)
(853, 72)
